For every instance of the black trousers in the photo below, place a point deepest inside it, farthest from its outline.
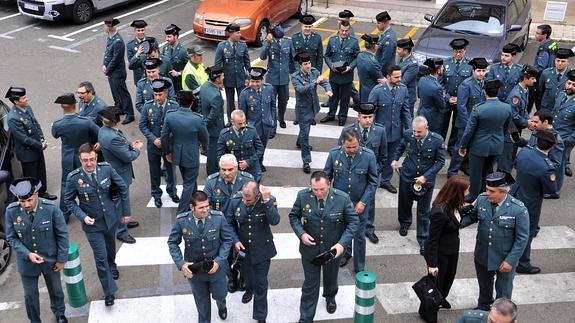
(121, 96)
(447, 266)
(36, 169)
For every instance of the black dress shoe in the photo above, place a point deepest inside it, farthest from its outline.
(306, 168)
(49, 196)
(272, 135)
(109, 300)
(372, 238)
(128, 119)
(530, 271)
(553, 196)
(61, 319)
(223, 313)
(115, 274)
(295, 123)
(327, 119)
(175, 198)
(341, 122)
(133, 224)
(445, 304)
(283, 124)
(261, 321)
(343, 261)
(568, 171)
(158, 202)
(390, 188)
(313, 122)
(324, 104)
(127, 239)
(330, 306)
(299, 146)
(247, 297)
(402, 231)
(232, 286)
(263, 168)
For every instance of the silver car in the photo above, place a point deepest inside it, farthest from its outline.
(79, 11)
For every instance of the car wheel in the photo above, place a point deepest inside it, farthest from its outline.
(82, 12)
(5, 252)
(263, 31)
(302, 9)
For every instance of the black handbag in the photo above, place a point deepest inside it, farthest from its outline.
(430, 297)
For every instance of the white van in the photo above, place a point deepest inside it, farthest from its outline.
(79, 11)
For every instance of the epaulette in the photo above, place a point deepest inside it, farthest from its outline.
(173, 101)
(59, 119)
(196, 113)
(13, 204)
(216, 213)
(214, 175)
(552, 46)
(74, 172)
(436, 135)
(338, 192)
(103, 164)
(183, 215)
(516, 201)
(45, 201)
(149, 101)
(246, 174)
(237, 195)
(336, 148)
(83, 117)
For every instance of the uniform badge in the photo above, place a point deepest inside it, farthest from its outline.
(217, 191)
(19, 220)
(446, 67)
(386, 43)
(145, 92)
(515, 100)
(150, 111)
(552, 177)
(336, 162)
(81, 182)
(229, 142)
(251, 98)
(184, 231)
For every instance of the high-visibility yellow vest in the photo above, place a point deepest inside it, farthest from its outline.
(198, 73)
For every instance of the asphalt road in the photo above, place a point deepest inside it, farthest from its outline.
(52, 58)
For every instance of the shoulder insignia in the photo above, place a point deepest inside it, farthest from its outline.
(13, 204)
(246, 174)
(183, 215)
(515, 100)
(216, 213)
(214, 175)
(102, 164)
(74, 172)
(45, 201)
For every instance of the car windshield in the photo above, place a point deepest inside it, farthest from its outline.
(472, 18)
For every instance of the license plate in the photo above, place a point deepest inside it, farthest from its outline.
(215, 32)
(31, 7)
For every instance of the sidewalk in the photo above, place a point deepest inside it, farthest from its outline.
(410, 13)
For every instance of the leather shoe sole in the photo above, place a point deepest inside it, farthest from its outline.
(306, 169)
(327, 119)
(49, 196)
(403, 232)
(283, 124)
(388, 187)
(372, 238)
(247, 297)
(158, 202)
(128, 239)
(128, 120)
(295, 123)
(133, 224)
(109, 300)
(175, 199)
(341, 122)
(330, 307)
(223, 314)
(62, 319)
(531, 271)
(313, 122)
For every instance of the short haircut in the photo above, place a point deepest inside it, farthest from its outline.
(392, 68)
(343, 23)
(254, 190)
(544, 143)
(86, 148)
(198, 196)
(88, 86)
(545, 30)
(349, 134)
(318, 175)
(544, 115)
(237, 113)
(506, 307)
(420, 120)
(491, 91)
(369, 45)
(228, 157)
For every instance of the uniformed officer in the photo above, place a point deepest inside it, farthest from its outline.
(517, 99)
(424, 158)
(153, 52)
(469, 94)
(340, 57)
(506, 70)
(144, 91)
(535, 178)
(409, 69)
(309, 41)
(502, 233)
(392, 101)
(90, 104)
(207, 242)
(119, 153)
(150, 124)
(345, 16)
(372, 136)
(483, 137)
(176, 53)
(74, 131)
(455, 70)
(242, 140)
(503, 310)
(233, 56)
(36, 230)
(212, 111)
(29, 142)
(133, 47)
(146, 48)
(279, 52)
(324, 220)
(544, 58)
(305, 81)
(194, 73)
(182, 134)
(251, 213)
(258, 103)
(553, 78)
(564, 118)
(114, 67)
(352, 168)
(97, 185)
(432, 96)
(387, 41)
(368, 68)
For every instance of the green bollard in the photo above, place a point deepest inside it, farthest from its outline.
(364, 297)
(73, 277)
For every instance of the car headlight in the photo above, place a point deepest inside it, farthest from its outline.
(199, 18)
(243, 21)
(419, 57)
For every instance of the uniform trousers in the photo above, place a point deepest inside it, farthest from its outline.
(189, 178)
(155, 164)
(341, 95)
(387, 171)
(507, 157)
(281, 94)
(103, 244)
(404, 214)
(485, 278)
(63, 206)
(525, 259)
(310, 288)
(122, 229)
(453, 137)
(201, 289)
(303, 139)
(359, 242)
(32, 296)
(479, 168)
(369, 225)
(231, 101)
(212, 156)
(457, 162)
(121, 96)
(36, 169)
(256, 280)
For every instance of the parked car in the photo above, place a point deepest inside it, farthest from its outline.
(487, 24)
(79, 11)
(254, 17)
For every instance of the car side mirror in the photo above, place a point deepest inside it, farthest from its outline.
(515, 28)
(428, 17)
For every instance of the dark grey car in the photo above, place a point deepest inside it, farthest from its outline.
(487, 24)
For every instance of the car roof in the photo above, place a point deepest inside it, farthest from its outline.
(492, 2)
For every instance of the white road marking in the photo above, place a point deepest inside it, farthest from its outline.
(64, 49)
(10, 16)
(351, 113)
(154, 250)
(317, 131)
(5, 35)
(6, 306)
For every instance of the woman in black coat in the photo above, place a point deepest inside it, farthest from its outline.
(442, 249)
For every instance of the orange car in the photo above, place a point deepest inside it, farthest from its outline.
(254, 16)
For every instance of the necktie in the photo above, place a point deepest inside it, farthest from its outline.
(457, 64)
(393, 90)
(241, 134)
(201, 226)
(401, 60)
(94, 180)
(559, 76)
(419, 144)
(349, 160)
(234, 48)
(229, 185)
(493, 208)
(507, 72)
(364, 135)
(31, 215)
(321, 204)
(306, 40)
